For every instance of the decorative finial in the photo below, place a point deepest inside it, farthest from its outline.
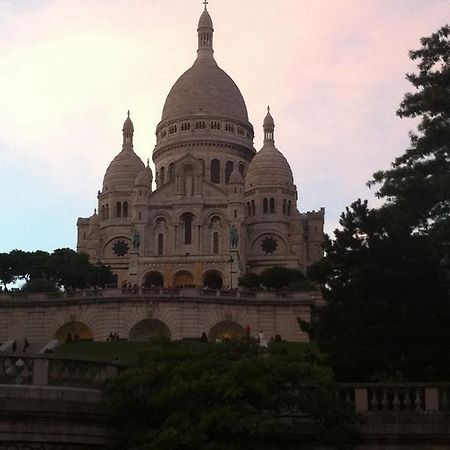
(205, 3)
(128, 113)
(148, 162)
(268, 109)
(95, 211)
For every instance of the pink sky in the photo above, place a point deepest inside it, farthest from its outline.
(331, 70)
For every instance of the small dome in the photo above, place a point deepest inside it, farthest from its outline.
(122, 171)
(205, 20)
(94, 219)
(144, 177)
(269, 168)
(236, 177)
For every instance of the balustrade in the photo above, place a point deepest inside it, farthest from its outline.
(29, 370)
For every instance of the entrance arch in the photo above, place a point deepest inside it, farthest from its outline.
(154, 279)
(74, 331)
(149, 329)
(183, 278)
(226, 331)
(212, 279)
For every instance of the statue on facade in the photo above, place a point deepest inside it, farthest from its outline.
(136, 240)
(234, 237)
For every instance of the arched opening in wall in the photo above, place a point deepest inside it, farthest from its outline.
(241, 169)
(215, 171)
(226, 331)
(154, 279)
(284, 207)
(186, 220)
(253, 208)
(160, 244)
(107, 211)
(118, 209)
(171, 171)
(161, 174)
(229, 166)
(202, 162)
(148, 329)
(265, 206)
(183, 279)
(212, 280)
(125, 209)
(272, 205)
(215, 242)
(74, 331)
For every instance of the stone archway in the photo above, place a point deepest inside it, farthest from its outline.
(74, 331)
(226, 330)
(182, 279)
(212, 279)
(154, 279)
(149, 329)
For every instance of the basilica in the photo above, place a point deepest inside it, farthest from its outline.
(214, 208)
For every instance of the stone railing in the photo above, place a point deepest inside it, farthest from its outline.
(135, 292)
(398, 397)
(53, 371)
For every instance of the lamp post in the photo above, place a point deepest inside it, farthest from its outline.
(445, 264)
(231, 260)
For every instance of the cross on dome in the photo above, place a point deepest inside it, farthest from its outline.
(205, 3)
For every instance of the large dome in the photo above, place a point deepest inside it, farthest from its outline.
(205, 89)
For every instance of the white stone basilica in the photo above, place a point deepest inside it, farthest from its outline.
(219, 208)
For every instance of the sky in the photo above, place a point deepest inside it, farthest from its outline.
(332, 71)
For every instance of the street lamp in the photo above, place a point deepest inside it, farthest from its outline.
(445, 264)
(231, 260)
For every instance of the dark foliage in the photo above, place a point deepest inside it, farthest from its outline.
(387, 297)
(228, 396)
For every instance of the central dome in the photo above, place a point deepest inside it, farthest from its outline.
(204, 89)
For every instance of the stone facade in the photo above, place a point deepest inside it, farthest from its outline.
(219, 208)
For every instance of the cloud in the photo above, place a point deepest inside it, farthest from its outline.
(332, 71)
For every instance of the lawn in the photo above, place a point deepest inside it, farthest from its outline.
(118, 351)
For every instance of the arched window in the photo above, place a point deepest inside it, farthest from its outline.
(265, 206)
(107, 211)
(161, 174)
(249, 211)
(125, 209)
(241, 169)
(272, 205)
(160, 244)
(187, 225)
(253, 208)
(215, 171)
(284, 207)
(118, 209)
(140, 216)
(171, 171)
(215, 242)
(228, 169)
(289, 208)
(103, 214)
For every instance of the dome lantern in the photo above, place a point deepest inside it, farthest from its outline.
(205, 32)
(269, 127)
(127, 131)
